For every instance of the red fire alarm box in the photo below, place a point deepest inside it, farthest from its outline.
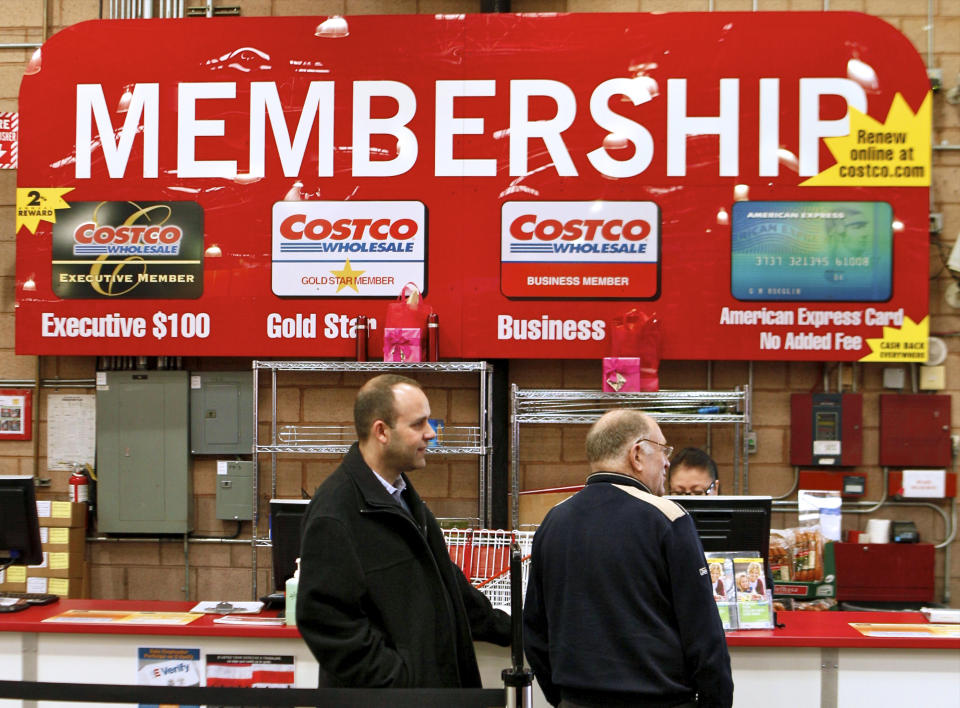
(826, 429)
(914, 430)
(884, 572)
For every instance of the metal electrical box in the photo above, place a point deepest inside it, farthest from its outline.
(826, 429)
(915, 430)
(234, 490)
(221, 413)
(144, 483)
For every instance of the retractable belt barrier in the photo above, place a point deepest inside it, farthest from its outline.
(324, 697)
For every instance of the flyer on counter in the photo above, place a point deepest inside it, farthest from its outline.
(222, 607)
(121, 617)
(872, 629)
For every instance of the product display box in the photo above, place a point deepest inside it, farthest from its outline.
(62, 514)
(824, 586)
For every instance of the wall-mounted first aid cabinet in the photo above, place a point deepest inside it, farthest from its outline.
(144, 482)
(221, 413)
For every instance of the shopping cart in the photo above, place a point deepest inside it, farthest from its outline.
(484, 557)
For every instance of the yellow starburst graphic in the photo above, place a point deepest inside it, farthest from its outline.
(347, 277)
(895, 153)
(36, 204)
(901, 344)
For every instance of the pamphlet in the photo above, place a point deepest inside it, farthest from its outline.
(754, 599)
(721, 581)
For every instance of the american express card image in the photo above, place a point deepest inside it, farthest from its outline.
(812, 251)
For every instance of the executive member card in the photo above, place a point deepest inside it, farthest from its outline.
(812, 251)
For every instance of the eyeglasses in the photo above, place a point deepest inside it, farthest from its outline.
(667, 449)
(694, 492)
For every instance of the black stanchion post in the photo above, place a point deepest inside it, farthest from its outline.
(517, 679)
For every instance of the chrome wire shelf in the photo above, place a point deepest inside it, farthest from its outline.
(337, 439)
(585, 406)
(344, 366)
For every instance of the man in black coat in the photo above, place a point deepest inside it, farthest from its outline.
(619, 608)
(379, 602)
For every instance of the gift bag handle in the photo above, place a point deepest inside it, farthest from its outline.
(410, 294)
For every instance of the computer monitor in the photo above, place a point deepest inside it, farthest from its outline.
(19, 527)
(286, 527)
(731, 523)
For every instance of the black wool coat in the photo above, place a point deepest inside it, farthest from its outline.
(379, 601)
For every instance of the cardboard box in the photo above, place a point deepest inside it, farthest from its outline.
(71, 588)
(13, 579)
(61, 539)
(62, 514)
(58, 565)
(803, 590)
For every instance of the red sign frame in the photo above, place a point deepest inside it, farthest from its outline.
(466, 115)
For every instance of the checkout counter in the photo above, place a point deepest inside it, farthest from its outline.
(812, 659)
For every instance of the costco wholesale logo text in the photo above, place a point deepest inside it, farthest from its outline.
(348, 249)
(90, 239)
(590, 250)
(95, 130)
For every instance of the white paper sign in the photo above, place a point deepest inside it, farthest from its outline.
(71, 430)
(925, 484)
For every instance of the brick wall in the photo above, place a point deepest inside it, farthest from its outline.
(550, 455)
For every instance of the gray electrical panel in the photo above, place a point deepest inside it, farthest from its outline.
(221, 413)
(235, 490)
(144, 482)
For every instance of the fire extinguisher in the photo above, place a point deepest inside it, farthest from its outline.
(79, 485)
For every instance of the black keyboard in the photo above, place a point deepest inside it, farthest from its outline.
(31, 598)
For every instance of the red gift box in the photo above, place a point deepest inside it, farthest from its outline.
(402, 344)
(621, 374)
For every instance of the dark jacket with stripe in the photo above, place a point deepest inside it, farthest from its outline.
(619, 607)
(379, 601)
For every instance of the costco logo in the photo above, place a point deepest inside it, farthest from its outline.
(348, 249)
(89, 239)
(589, 250)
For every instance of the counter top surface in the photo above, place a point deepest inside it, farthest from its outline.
(31, 620)
(799, 629)
(832, 629)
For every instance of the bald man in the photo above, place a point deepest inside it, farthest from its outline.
(619, 608)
